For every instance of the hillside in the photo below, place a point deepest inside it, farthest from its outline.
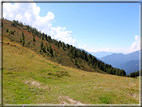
(59, 55)
(54, 50)
(30, 78)
(130, 66)
(0, 63)
(40, 70)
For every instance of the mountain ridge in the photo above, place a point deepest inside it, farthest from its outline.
(130, 66)
(122, 61)
(101, 54)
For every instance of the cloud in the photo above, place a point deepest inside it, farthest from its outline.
(24, 12)
(136, 44)
(85, 47)
(103, 49)
(106, 49)
(65, 36)
(64, 28)
(28, 13)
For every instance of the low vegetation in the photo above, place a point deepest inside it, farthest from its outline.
(45, 72)
(29, 77)
(135, 74)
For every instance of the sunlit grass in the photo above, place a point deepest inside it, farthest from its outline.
(29, 78)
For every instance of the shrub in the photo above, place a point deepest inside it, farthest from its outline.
(7, 30)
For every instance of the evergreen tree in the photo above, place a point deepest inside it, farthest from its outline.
(23, 39)
(41, 45)
(20, 40)
(75, 61)
(42, 37)
(63, 45)
(68, 46)
(47, 48)
(33, 37)
(50, 50)
(44, 49)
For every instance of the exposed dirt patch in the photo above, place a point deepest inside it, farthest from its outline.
(69, 100)
(36, 84)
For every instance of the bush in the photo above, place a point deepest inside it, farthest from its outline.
(7, 30)
(12, 32)
(20, 40)
(29, 43)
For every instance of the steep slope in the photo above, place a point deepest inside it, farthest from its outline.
(54, 50)
(60, 55)
(0, 63)
(30, 78)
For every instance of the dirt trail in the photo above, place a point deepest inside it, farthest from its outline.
(63, 99)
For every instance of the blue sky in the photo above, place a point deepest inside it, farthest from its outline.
(111, 27)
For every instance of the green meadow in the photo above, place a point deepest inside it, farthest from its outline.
(30, 78)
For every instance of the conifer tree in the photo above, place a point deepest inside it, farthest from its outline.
(50, 50)
(41, 45)
(33, 37)
(23, 39)
(75, 61)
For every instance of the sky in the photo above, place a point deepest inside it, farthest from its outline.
(95, 27)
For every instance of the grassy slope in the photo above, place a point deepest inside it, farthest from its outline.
(29, 78)
(61, 57)
(0, 63)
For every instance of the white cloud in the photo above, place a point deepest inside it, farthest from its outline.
(103, 49)
(106, 49)
(28, 13)
(79, 46)
(65, 36)
(136, 44)
(64, 28)
(85, 47)
(36, 9)
(28, 16)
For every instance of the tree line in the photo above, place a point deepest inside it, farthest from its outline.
(73, 52)
(135, 74)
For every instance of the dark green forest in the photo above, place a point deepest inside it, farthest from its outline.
(135, 74)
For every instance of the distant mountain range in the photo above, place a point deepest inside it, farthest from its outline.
(128, 62)
(100, 54)
(116, 59)
(130, 66)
